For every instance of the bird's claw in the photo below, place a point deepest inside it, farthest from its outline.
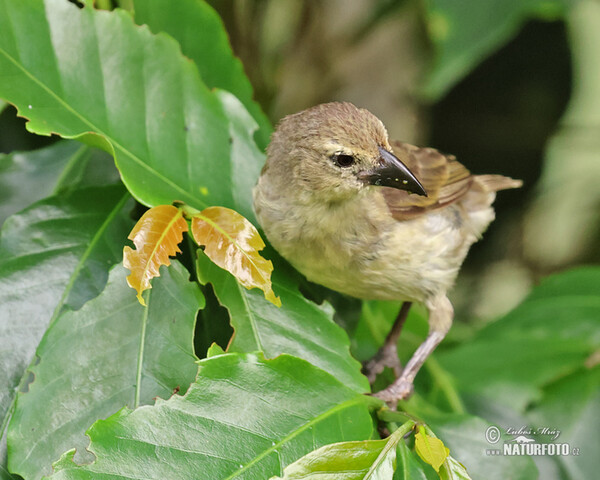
(385, 357)
(399, 390)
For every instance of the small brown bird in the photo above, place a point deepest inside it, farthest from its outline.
(373, 219)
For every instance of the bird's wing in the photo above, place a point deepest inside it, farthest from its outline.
(444, 178)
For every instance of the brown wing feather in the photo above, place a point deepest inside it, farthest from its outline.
(444, 178)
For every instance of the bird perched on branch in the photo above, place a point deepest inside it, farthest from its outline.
(373, 219)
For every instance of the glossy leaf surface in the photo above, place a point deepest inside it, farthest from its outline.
(144, 101)
(54, 254)
(111, 353)
(577, 425)
(366, 460)
(299, 327)
(278, 410)
(551, 334)
(465, 437)
(233, 243)
(452, 469)
(202, 37)
(27, 177)
(156, 237)
(407, 464)
(430, 449)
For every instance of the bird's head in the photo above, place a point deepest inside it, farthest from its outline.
(333, 151)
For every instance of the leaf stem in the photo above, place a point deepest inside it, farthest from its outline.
(387, 415)
(188, 211)
(403, 429)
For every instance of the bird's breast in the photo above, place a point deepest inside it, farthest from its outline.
(358, 249)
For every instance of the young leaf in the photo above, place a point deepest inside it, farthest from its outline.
(110, 353)
(244, 418)
(366, 460)
(156, 237)
(233, 243)
(430, 449)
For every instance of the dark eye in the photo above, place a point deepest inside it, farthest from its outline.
(343, 160)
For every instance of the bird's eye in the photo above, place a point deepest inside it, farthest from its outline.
(343, 160)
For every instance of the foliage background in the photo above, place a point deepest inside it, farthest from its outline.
(509, 87)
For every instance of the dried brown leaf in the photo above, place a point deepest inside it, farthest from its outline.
(233, 243)
(156, 237)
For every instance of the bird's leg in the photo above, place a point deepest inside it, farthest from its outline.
(387, 356)
(440, 320)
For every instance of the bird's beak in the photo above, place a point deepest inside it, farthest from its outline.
(391, 172)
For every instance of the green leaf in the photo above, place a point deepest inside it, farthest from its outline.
(551, 334)
(202, 37)
(376, 320)
(246, 159)
(54, 254)
(6, 475)
(465, 437)
(408, 466)
(571, 407)
(299, 327)
(453, 470)
(431, 449)
(143, 100)
(110, 353)
(214, 350)
(366, 460)
(466, 32)
(578, 282)
(26, 177)
(277, 410)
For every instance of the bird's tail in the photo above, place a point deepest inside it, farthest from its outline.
(493, 183)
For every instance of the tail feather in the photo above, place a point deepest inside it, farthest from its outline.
(494, 183)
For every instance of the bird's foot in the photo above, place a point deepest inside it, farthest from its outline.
(387, 356)
(401, 389)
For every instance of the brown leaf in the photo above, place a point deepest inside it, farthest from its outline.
(156, 237)
(233, 244)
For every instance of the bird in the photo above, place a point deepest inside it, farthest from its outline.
(373, 219)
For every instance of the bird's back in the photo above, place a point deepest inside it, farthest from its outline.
(446, 182)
